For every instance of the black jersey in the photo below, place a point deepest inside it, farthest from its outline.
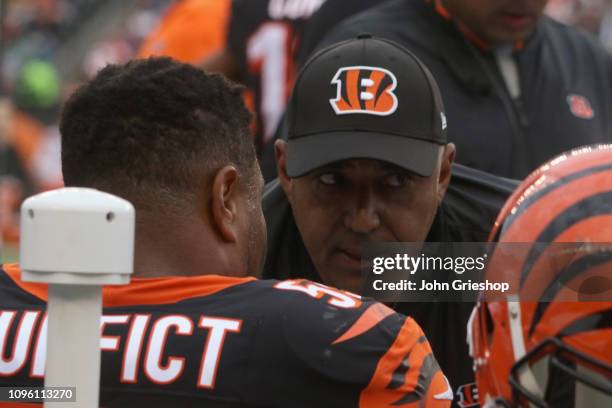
(219, 341)
(261, 37)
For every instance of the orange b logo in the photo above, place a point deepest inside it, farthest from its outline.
(367, 90)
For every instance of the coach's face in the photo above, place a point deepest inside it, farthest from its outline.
(341, 207)
(498, 21)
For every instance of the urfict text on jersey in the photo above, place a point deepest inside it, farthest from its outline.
(150, 346)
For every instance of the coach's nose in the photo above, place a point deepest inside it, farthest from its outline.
(363, 218)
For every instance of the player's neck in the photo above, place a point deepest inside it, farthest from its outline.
(180, 246)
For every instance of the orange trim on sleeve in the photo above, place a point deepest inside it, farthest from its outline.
(409, 345)
(144, 291)
(370, 318)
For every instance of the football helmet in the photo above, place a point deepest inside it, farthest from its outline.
(535, 348)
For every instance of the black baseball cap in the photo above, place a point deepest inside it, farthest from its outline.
(366, 98)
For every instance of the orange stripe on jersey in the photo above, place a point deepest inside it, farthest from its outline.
(144, 291)
(410, 350)
(370, 318)
(38, 290)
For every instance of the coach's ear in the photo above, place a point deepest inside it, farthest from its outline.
(446, 169)
(280, 151)
(224, 203)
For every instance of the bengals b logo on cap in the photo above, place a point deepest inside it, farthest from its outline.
(366, 90)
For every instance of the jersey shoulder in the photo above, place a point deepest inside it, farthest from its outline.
(361, 343)
(15, 294)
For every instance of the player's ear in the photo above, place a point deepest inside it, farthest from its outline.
(446, 169)
(280, 151)
(224, 203)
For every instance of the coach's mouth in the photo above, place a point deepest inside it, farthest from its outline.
(348, 258)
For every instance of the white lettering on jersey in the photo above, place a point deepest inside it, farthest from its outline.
(157, 341)
(156, 366)
(111, 343)
(338, 298)
(214, 345)
(21, 345)
(131, 356)
(40, 351)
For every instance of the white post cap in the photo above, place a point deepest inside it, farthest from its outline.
(77, 236)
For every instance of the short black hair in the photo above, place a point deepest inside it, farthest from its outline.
(152, 126)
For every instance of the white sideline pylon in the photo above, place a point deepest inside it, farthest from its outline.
(76, 240)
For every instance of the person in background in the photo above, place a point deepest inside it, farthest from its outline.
(260, 53)
(367, 160)
(519, 87)
(29, 148)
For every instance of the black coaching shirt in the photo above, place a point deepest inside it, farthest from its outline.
(467, 213)
(218, 341)
(565, 82)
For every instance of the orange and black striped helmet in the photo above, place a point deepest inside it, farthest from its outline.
(550, 343)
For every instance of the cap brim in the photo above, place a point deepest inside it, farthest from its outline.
(308, 153)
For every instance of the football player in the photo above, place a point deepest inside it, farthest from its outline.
(192, 328)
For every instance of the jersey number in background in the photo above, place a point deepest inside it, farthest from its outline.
(269, 56)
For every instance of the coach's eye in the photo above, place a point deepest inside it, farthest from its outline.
(397, 180)
(328, 179)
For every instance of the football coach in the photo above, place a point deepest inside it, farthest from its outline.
(365, 160)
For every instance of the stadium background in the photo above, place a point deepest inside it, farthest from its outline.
(49, 46)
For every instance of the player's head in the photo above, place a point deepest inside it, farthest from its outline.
(366, 158)
(173, 140)
(496, 21)
(550, 345)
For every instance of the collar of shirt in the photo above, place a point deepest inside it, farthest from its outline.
(479, 42)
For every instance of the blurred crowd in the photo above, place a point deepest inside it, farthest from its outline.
(49, 46)
(595, 16)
